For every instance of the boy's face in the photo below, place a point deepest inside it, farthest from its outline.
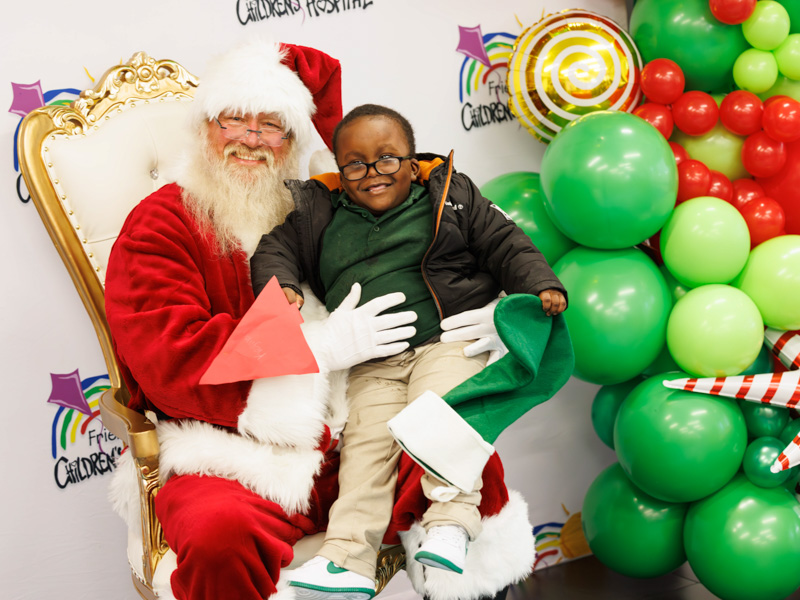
(368, 139)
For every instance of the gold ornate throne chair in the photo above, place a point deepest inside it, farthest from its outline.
(86, 166)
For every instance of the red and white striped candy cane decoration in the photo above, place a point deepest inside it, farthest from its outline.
(789, 457)
(776, 389)
(785, 345)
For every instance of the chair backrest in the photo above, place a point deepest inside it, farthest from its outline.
(88, 164)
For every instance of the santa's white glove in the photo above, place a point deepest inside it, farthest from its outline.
(351, 335)
(477, 324)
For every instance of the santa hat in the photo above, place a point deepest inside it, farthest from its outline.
(300, 84)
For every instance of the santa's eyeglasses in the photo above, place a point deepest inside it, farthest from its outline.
(234, 128)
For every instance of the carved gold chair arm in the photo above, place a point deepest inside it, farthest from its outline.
(139, 434)
(391, 560)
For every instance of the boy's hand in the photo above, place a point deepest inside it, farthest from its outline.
(553, 302)
(293, 296)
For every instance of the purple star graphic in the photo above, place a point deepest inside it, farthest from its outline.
(27, 97)
(67, 392)
(470, 43)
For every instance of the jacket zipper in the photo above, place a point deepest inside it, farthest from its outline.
(445, 191)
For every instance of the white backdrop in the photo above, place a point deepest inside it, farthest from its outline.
(59, 536)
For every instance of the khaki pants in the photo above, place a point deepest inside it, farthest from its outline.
(368, 472)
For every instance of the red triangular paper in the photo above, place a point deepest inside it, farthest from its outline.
(267, 342)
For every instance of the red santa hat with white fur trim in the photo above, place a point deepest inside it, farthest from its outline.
(300, 84)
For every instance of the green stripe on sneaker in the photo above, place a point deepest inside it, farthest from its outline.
(333, 590)
(434, 560)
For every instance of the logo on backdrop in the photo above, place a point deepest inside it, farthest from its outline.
(482, 88)
(28, 97)
(250, 11)
(81, 447)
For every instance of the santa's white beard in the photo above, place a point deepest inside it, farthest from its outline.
(238, 203)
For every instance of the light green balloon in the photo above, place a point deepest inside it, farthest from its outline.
(787, 56)
(719, 150)
(755, 70)
(768, 26)
(771, 278)
(714, 331)
(783, 87)
(705, 240)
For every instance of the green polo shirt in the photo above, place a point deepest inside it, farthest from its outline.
(383, 254)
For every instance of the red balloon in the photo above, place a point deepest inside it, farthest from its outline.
(679, 151)
(744, 190)
(720, 187)
(695, 113)
(774, 98)
(732, 12)
(785, 188)
(782, 120)
(658, 115)
(694, 179)
(764, 218)
(740, 112)
(662, 81)
(762, 156)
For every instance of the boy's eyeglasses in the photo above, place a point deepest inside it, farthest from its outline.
(234, 129)
(388, 165)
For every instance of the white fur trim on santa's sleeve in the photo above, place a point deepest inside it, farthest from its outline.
(444, 444)
(503, 554)
(286, 411)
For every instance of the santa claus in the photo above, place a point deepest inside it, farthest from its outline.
(249, 468)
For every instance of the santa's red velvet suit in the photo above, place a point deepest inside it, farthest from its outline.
(248, 467)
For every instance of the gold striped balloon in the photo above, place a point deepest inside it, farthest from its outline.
(569, 64)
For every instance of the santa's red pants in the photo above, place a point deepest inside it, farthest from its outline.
(232, 543)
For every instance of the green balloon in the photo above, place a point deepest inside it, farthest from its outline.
(605, 406)
(743, 542)
(618, 310)
(759, 457)
(771, 278)
(609, 180)
(676, 289)
(678, 446)
(768, 26)
(787, 56)
(793, 10)
(755, 70)
(686, 32)
(763, 420)
(519, 194)
(714, 331)
(783, 87)
(719, 150)
(628, 530)
(706, 240)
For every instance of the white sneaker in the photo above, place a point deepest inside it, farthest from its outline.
(445, 548)
(320, 579)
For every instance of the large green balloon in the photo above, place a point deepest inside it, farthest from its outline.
(715, 331)
(719, 150)
(519, 194)
(686, 32)
(758, 460)
(605, 406)
(609, 179)
(743, 542)
(618, 310)
(771, 278)
(678, 446)
(628, 530)
(706, 240)
(663, 363)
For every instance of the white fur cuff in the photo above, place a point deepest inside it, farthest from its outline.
(444, 444)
